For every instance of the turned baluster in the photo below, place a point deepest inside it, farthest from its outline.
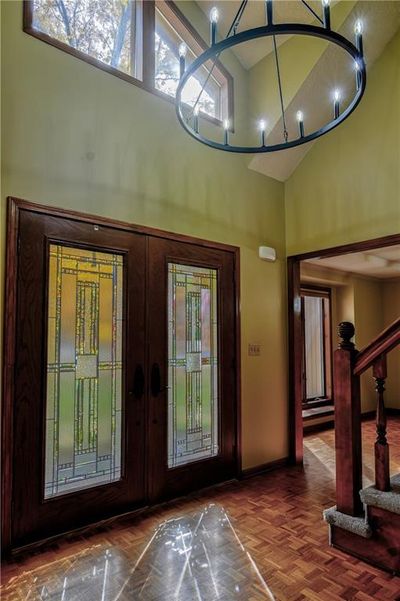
(382, 472)
(347, 425)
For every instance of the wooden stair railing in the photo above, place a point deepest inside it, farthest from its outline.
(349, 364)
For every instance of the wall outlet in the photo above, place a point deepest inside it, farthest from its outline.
(254, 350)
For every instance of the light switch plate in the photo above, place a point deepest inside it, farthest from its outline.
(254, 350)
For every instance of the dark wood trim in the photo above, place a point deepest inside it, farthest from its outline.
(148, 59)
(345, 249)
(295, 363)
(146, 68)
(238, 362)
(382, 344)
(27, 205)
(293, 267)
(9, 343)
(263, 468)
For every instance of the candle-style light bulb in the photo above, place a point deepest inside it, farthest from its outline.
(358, 30)
(358, 27)
(196, 118)
(182, 50)
(214, 16)
(336, 100)
(262, 125)
(327, 13)
(300, 121)
(226, 125)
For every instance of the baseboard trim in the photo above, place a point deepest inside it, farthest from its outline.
(262, 468)
(392, 412)
(313, 428)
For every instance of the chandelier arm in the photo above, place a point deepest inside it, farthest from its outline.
(312, 11)
(234, 25)
(278, 72)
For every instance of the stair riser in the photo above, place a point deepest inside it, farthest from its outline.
(382, 549)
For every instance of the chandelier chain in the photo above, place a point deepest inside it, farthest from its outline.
(278, 72)
(313, 11)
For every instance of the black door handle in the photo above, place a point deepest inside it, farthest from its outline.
(138, 382)
(155, 381)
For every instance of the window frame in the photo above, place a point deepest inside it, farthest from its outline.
(145, 15)
(326, 295)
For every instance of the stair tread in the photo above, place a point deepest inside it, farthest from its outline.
(356, 525)
(389, 500)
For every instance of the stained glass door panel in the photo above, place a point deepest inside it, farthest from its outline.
(84, 369)
(192, 364)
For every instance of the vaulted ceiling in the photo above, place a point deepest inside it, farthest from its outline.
(310, 68)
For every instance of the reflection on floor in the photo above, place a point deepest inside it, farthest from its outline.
(259, 535)
(197, 556)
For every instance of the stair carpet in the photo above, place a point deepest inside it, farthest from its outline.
(375, 537)
(370, 496)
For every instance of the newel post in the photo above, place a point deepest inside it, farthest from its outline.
(347, 425)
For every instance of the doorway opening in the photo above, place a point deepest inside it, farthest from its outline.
(361, 281)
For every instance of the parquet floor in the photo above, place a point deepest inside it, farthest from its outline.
(277, 517)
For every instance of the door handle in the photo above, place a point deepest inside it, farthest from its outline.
(138, 383)
(155, 381)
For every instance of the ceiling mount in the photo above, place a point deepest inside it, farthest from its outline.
(189, 115)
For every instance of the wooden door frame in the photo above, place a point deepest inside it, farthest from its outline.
(295, 336)
(14, 208)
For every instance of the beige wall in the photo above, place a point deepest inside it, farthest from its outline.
(77, 137)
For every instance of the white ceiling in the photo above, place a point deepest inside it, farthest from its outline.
(382, 263)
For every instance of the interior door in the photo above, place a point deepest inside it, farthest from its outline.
(79, 411)
(191, 369)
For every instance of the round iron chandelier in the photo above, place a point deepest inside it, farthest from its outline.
(188, 116)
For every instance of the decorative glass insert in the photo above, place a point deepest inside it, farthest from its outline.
(192, 364)
(314, 346)
(84, 370)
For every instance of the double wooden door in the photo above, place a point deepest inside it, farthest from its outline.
(124, 374)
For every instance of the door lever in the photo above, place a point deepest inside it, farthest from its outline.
(138, 383)
(155, 381)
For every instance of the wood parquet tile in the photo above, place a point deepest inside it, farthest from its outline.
(278, 518)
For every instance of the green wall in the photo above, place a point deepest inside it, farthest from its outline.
(76, 137)
(347, 188)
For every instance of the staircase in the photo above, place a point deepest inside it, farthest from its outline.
(365, 522)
